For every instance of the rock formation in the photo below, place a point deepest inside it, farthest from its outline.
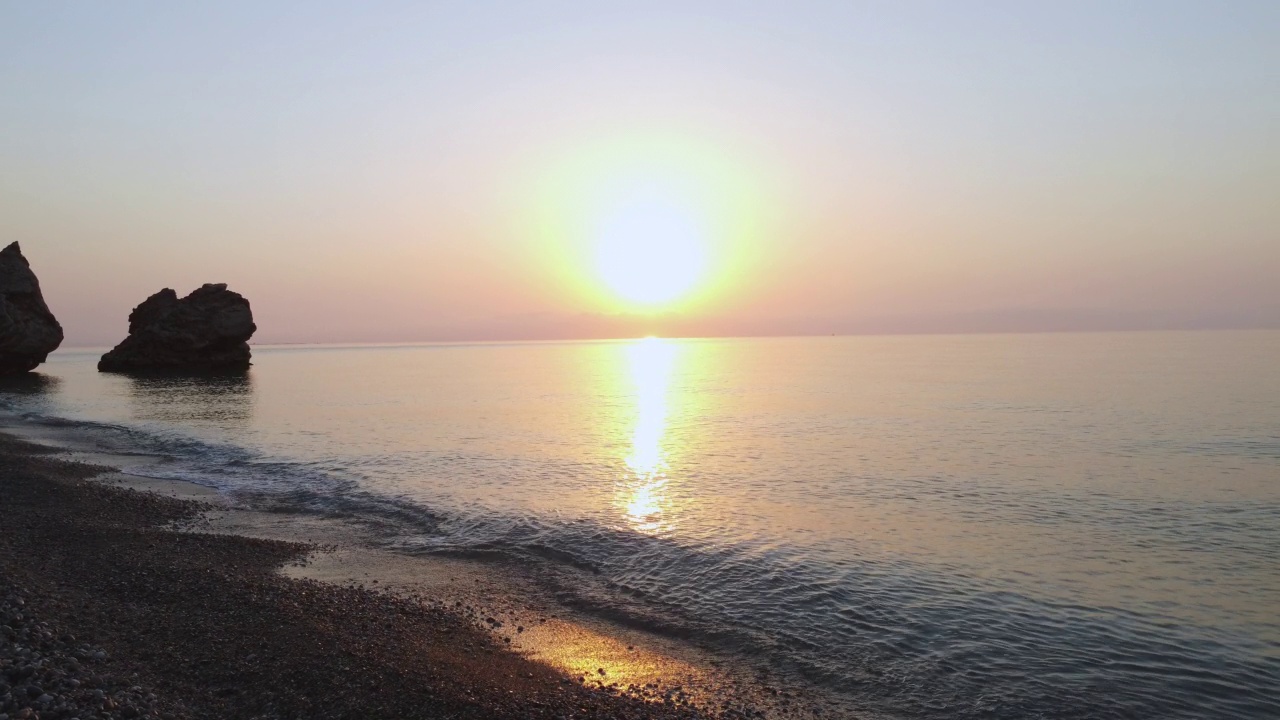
(206, 331)
(28, 331)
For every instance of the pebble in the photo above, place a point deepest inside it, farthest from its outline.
(50, 656)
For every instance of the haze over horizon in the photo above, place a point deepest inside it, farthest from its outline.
(392, 172)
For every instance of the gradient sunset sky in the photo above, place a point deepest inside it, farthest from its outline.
(449, 171)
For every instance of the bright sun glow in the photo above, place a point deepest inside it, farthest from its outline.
(652, 249)
(644, 222)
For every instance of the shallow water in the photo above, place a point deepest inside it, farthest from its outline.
(1059, 526)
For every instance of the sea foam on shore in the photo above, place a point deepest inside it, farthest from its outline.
(204, 619)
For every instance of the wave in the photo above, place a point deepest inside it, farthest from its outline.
(892, 636)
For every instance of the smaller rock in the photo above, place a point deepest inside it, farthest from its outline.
(206, 331)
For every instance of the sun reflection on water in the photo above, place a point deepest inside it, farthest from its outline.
(642, 491)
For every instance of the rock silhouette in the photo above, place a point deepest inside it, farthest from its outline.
(28, 331)
(206, 331)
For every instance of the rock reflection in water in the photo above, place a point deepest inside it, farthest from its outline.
(216, 399)
(37, 389)
(29, 384)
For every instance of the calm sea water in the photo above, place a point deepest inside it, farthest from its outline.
(1057, 526)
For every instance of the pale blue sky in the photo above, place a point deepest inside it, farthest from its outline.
(360, 170)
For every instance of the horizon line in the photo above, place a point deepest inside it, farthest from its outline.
(777, 336)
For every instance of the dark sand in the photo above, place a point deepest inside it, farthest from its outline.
(108, 610)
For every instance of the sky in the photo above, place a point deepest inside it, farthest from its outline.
(410, 171)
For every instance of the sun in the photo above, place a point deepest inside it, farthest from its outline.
(651, 248)
(643, 221)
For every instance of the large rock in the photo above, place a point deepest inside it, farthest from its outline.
(206, 331)
(28, 331)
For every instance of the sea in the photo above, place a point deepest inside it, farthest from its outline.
(970, 526)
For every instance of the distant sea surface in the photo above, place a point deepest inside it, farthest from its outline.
(1021, 526)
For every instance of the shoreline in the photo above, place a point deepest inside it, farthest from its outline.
(192, 621)
(602, 671)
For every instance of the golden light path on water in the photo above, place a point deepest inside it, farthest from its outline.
(610, 656)
(642, 489)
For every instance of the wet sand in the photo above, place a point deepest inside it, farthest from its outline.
(127, 597)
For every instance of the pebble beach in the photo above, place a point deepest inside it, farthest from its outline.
(111, 606)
